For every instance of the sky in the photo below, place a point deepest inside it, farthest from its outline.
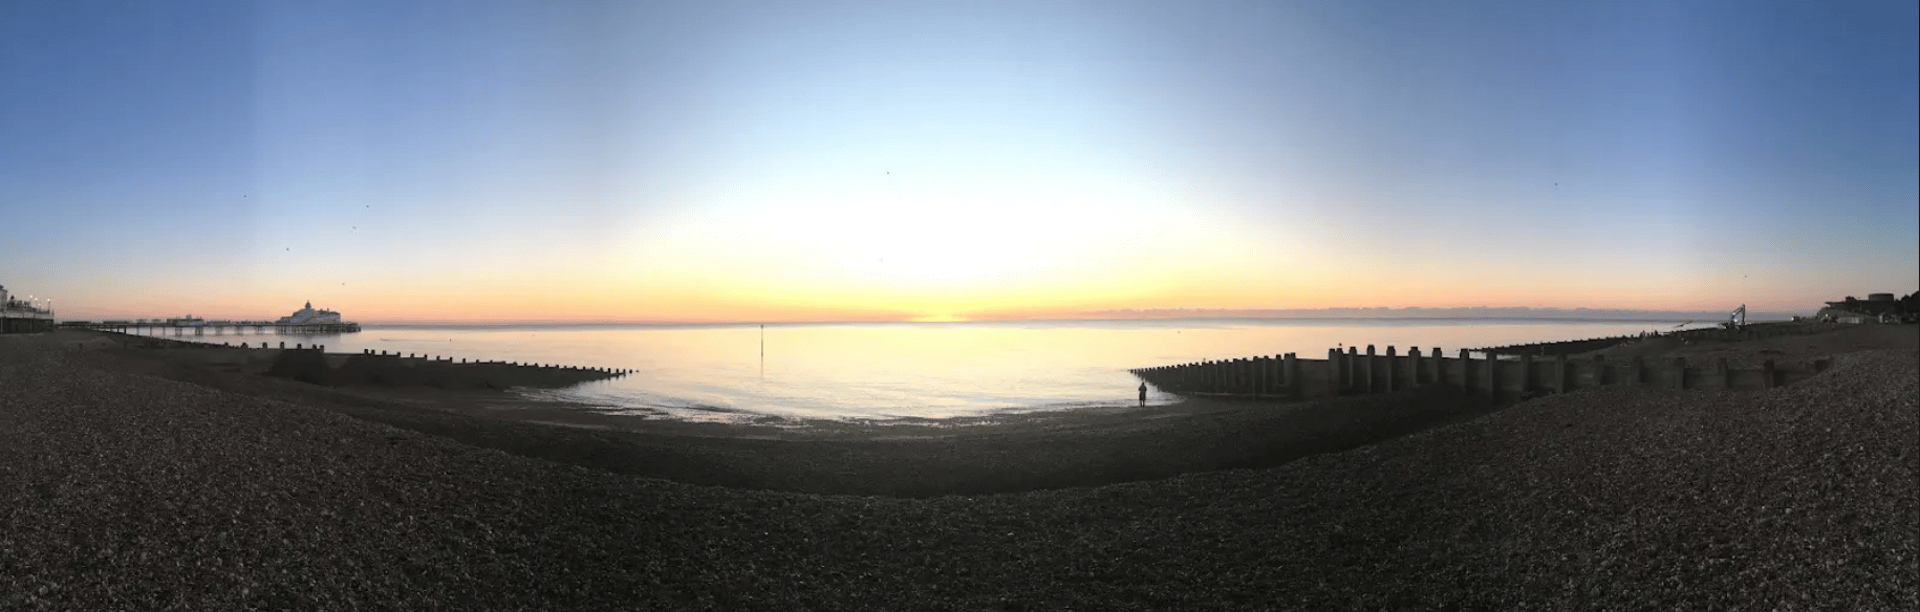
(764, 161)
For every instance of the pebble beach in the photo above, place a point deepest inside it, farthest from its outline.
(121, 489)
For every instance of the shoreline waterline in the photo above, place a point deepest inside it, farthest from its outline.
(901, 370)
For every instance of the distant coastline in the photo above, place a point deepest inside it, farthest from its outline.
(1702, 318)
(1513, 313)
(1520, 313)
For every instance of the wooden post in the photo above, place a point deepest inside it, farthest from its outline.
(1263, 383)
(1352, 374)
(1370, 368)
(1560, 373)
(1333, 370)
(1247, 376)
(1255, 368)
(1490, 376)
(1439, 366)
(1243, 376)
(1279, 363)
(1417, 362)
(1269, 374)
(1639, 370)
(1526, 373)
(1414, 375)
(1255, 375)
(1725, 374)
(1276, 376)
(1599, 370)
(1680, 373)
(1766, 372)
(1293, 376)
(1282, 378)
(1393, 371)
(1466, 371)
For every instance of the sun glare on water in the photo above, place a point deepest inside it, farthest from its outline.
(942, 317)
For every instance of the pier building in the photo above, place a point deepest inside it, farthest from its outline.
(19, 316)
(309, 316)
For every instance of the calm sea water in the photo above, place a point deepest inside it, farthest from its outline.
(894, 370)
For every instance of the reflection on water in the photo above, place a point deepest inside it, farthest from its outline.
(904, 370)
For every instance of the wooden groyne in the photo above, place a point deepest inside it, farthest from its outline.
(1288, 376)
(1753, 331)
(311, 363)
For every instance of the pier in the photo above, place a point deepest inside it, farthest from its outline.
(305, 321)
(218, 327)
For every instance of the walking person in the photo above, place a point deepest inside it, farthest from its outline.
(1143, 394)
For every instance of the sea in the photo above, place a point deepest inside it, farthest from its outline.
(740, 373)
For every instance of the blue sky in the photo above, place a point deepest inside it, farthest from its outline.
(816, 160)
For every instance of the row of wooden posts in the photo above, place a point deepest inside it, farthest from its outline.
(423, 356)
(1754, 331)
(298, 346)
(1351, 372)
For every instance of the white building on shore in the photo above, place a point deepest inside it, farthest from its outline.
(309, 316)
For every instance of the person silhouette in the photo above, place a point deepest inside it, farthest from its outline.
(1143, 394)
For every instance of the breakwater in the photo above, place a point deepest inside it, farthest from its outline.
(1351, 372)
(1753, 331)
(311, 363)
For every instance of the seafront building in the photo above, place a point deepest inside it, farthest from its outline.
(1882, 307)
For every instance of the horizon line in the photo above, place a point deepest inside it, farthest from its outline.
(1163, 314)
(1755, 317)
